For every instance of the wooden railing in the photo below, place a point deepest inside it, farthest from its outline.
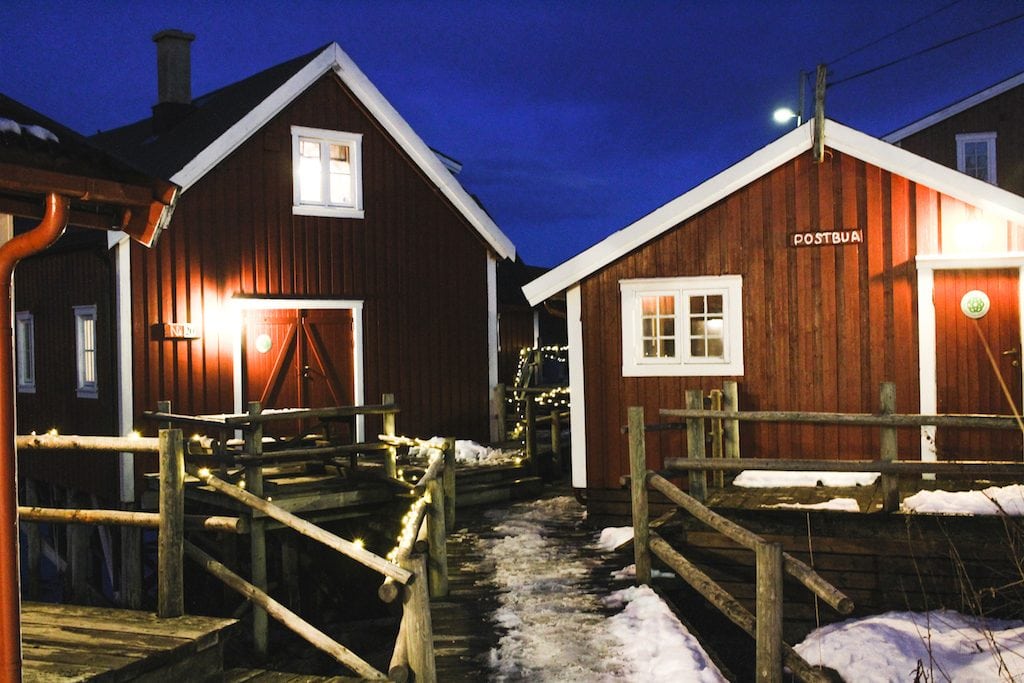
(771, 562)
(887, 420)
(408, 572)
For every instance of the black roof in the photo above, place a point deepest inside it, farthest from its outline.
(211, 115)
(29, 139)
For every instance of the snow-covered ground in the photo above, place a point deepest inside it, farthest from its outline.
(557, 629)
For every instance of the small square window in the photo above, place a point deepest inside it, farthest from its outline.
(85, 342)
(25, 351)
(976, 155)
(326, 173)
(687, 326)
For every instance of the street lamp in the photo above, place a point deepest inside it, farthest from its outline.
(785, 115)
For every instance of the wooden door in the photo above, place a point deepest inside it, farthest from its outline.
(298, 359)
(966, 380)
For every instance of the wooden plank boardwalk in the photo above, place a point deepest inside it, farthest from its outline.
(73, 643)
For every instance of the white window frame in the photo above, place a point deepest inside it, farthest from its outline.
(25, 351)
(962, 139)
(87, 385)
(683, 364)
(324, 207)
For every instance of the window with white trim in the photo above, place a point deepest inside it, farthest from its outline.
(976, 155)
(684, 326)
(85, 344)
(25, 351)
(327, 173)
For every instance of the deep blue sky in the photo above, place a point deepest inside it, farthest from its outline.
(572, 119)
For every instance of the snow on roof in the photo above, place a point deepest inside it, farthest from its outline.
(15, 128)
(995, 500)
(785, 478)
(837, 136)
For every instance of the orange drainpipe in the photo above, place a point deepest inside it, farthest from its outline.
(50, 228)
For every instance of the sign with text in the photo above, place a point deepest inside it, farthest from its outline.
(826, 238)
(179, 331)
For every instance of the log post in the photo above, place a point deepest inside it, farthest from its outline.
(888, 447)
(131, 567)
(437, 551)
(170, 553)
(391, 455)
(419, 631)
(731, 428)
(769, 613)
(258, 528)
(638, 494)
(717, 477)
(448, 484)
(500, 412)
(34, 544)
(531, 434)
(695, 446)
(556, 442)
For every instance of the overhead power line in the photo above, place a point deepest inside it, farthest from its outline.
(928, 49)
(892, 33)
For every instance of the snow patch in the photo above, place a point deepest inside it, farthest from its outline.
(995, 500)
(770, 479)
(932, 646)
(614, 536)
(836, 504)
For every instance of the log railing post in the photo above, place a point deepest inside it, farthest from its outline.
(500, 412)
(531, 433)
(769, 613)
(418, 631)
(437, 540)
(638, 494)
(888, 448)
(257, 528)
(170, 545)
(717, 477)
(448, 484)
(695, 446)
(391, 454)
(731, 428)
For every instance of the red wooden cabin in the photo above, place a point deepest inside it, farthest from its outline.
(320, 254)
(809, 284)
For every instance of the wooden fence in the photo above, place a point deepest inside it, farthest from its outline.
(766, 625)
(408, 572)
(726, 439)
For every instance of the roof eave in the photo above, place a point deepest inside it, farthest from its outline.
(333, 58)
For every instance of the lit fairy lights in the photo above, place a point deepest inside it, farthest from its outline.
(530, 360)
(409, 527)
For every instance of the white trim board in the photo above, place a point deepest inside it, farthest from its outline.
(955, 108)
(837, 136)
(333, 59)
(236, 305)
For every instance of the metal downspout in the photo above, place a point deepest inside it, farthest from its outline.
(50, 228)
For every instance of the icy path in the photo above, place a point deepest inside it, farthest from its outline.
(559, 617)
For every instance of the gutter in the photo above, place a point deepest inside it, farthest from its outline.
(49, 230)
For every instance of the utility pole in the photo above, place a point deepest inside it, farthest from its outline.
(819, 114)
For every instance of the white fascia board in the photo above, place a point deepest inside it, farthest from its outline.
(425, 158)
(333, 58)
(954, 109)
(671, 214)
(959, 185)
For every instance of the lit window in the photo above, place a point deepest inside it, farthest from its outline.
(976, 155)
(687, 326)
(327, 175)
(85, 342)
(25, 351)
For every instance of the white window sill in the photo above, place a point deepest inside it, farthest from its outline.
(88, 392)
(681, 370)
(326, 211)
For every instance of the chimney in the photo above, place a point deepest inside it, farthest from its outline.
(173, 78)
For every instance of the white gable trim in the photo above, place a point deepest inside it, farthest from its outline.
(837, 136)
(955, 108)
(671, 214)
(333, 58)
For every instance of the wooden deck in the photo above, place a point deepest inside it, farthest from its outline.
(74, 643)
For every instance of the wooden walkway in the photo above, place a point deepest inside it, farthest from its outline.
(73, 643)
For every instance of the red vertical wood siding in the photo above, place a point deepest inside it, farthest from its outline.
(49, 287)
(823, 327)
(414, 261)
